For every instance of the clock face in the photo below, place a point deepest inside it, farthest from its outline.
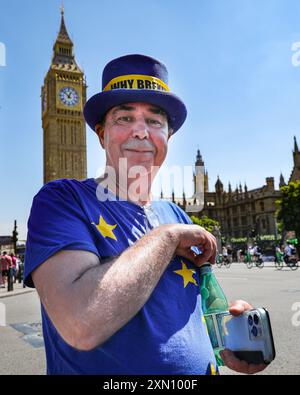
(68, 96)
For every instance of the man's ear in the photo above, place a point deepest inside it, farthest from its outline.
(170, 132)
(99, 129)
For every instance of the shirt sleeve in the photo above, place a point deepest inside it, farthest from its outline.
(182, 215)
(56, 222)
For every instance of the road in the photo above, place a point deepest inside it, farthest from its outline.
(21, 353)
(278, 291)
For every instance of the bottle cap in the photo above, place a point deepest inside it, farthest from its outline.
(206, 268)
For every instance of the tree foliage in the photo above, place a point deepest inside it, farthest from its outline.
(205, 222)
(289, 208)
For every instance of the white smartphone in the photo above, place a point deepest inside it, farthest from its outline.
(249, 335)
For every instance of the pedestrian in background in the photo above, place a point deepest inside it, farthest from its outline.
(18, 267)
(14, 265)
(1, 280)
(5, 263)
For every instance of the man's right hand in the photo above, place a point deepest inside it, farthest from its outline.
(101, 297)
(188, 235)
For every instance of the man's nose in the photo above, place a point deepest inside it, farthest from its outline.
(140, 129)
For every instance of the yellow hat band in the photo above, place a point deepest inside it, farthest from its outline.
(136, 81)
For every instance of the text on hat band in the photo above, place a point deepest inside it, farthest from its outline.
(136, 81)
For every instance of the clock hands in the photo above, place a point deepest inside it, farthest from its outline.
(69, 96)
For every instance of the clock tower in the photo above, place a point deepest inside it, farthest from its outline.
(63, 97)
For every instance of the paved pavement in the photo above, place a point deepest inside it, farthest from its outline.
(18, 290)
(21, 344)
(279, 292)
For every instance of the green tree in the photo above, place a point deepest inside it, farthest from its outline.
(205, 222)
(289, 209)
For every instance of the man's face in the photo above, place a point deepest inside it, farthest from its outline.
(138, 132)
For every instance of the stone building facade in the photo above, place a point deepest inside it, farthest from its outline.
(295, 175)
(241, 213)
(63, 97)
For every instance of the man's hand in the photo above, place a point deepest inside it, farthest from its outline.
(194, 235)
(230, 360)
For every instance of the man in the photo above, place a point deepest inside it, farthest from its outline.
(114, 269)
(225, 253)
(1, 277)
(289, 252)
(14, 266)
(256, 251)
(5, 263)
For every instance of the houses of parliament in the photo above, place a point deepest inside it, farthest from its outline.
(241, 211)
(63, 97)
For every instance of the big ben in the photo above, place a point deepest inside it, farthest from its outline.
(63, 97)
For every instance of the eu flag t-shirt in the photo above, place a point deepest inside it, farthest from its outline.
(168, 335)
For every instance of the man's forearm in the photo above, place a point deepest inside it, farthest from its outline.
(114, 292)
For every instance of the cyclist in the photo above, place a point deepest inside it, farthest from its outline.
(289, 252)
(256, 252)
(225, 254)
(278, 254)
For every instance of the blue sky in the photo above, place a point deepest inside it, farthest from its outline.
(229, 60)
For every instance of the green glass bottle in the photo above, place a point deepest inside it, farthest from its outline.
(213, 301)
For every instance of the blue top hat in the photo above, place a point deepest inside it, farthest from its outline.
(135, 78)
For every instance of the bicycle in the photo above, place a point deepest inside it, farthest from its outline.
(255, 260)
(290, 261)
(248, 260)
(258, 261)
(279, 260)
(223, 261)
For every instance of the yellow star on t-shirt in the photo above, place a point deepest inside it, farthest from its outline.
(187, 275)
(105, 229)
(213, 370)
(204, 322)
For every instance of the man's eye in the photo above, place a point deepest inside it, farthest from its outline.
(124, 119)
(154, 122)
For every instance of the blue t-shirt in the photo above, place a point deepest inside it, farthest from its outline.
(168, 335)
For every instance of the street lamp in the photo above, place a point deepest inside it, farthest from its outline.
(15, 237)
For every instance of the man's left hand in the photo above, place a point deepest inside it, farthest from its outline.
(230, 360)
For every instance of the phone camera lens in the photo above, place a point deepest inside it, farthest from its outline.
(256, 319)
(254, 331)
(250, 320)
